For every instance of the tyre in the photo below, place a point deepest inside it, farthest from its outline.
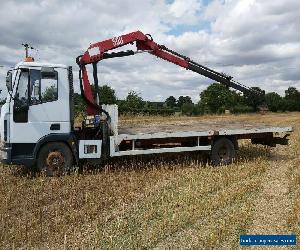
(55, 159)
(223, 152)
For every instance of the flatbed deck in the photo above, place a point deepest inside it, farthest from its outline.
(180, 136)
(198, 126)
(194, 131)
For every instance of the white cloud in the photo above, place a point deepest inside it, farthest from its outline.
(185, 11)
(256, 41)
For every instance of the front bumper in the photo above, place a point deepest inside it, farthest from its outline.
(6, 157)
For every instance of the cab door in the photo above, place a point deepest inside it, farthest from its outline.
(40, 106)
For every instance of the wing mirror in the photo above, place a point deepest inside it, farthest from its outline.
(9, 81)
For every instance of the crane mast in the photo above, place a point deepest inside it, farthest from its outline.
(144, 43)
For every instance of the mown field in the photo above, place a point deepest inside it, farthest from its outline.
(162, 202)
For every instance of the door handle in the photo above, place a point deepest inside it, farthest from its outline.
(55, 126)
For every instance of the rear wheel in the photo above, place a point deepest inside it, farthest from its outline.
(54, 159)
(223, 152)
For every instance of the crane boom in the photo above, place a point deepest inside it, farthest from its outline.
(144, 43)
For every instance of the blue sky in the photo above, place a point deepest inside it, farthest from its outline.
(182, 28)
(202, 24)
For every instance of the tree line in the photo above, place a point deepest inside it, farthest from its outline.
(215, 99)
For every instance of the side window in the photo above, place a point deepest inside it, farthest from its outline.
(43, 86)
(48, 86)
(22, 89)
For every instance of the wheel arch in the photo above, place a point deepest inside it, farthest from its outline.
(68, 139)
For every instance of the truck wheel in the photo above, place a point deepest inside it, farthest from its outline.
(55, 158)
(223, 152)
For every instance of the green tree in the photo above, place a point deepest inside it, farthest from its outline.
(292, 99)
(217, 97)
(50, 94)
(183, 99)
(187, 108)
(273, 101)
(170, 102)
(134, 100)
(292, 94)
(255, 99)
(79, 104)
(107, 94)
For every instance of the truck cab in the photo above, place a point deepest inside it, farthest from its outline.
(38, 110)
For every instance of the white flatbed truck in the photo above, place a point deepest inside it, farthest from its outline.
(37, 122)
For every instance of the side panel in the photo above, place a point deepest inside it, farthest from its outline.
(113, 113)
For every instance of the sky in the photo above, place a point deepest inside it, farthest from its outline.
(257, 42)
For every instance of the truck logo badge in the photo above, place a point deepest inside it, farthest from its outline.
(117, 41)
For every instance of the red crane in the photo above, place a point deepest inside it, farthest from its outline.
(144, 43)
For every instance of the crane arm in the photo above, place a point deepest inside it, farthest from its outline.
(144, 43)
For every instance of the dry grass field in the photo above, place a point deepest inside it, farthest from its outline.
(162, 202)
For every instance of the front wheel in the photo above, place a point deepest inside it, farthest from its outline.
(223, 152)
(54, 159)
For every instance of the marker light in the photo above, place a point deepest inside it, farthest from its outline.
(29, 59)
